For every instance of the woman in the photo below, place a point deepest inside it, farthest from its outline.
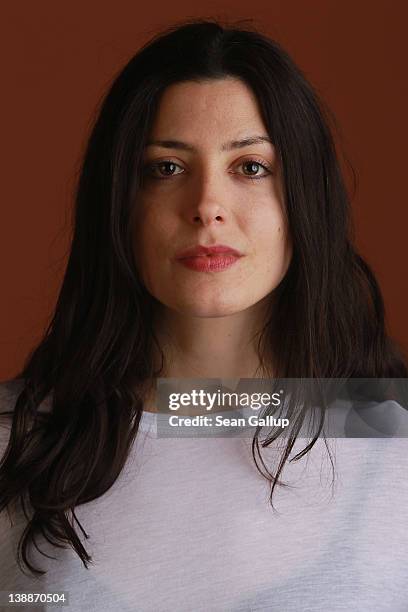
(212, 238)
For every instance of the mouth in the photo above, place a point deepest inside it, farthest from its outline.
(209, 263)
(201, 250)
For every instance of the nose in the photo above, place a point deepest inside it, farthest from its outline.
(207, 217)
(206, 204)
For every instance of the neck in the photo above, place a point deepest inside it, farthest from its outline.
(209, 347)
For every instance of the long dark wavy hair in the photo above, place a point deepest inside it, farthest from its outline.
(95, 359)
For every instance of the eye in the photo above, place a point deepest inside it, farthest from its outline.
(166, 168)
(154, 170)
(254, 165)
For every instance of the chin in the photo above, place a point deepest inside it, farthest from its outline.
(210, 310)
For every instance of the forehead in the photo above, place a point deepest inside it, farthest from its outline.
(207, 108)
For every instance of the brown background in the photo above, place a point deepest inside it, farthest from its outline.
(57, 61)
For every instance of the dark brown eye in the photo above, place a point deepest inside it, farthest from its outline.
(162, 170)
(167, 167)
(252, 166)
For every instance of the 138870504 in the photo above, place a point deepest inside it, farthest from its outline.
(23, 598)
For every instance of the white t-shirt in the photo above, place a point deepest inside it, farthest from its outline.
(188, 527)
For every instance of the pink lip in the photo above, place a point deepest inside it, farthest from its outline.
(208, 259)
(209, 263)
(199, 249)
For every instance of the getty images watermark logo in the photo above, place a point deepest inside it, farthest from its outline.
(207, 400)
(221, 409)
(351, 408)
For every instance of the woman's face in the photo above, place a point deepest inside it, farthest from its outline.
(204, 186)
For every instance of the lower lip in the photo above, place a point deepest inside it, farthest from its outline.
(210, 263)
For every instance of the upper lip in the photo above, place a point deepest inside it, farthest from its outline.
(199, 249)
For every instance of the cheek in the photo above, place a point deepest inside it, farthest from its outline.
(268, 228)
(272, 244)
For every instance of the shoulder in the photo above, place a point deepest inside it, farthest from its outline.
(386, 419)
(368, 419)
(9, 392)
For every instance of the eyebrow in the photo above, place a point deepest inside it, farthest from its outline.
(227, 146)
